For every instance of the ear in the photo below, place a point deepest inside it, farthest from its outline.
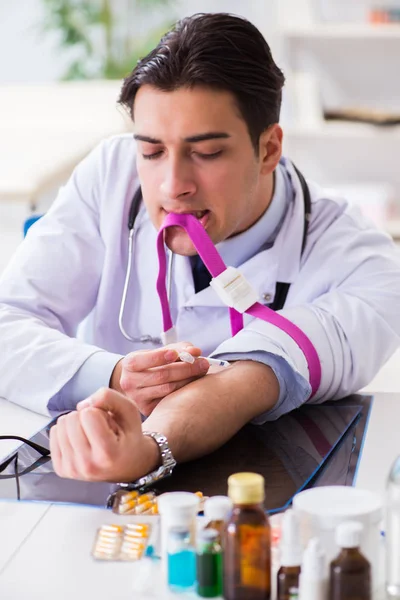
(270, 148)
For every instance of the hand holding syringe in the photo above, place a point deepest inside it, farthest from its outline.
(189, 358)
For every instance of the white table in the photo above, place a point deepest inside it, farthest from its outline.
(45, 549)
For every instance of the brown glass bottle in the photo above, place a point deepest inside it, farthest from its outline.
(287, 579)
(350, 572)
(247, 541)
(291, 556)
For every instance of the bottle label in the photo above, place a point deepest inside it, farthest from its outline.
(255, 554)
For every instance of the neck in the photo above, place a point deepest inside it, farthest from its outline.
(264, 194)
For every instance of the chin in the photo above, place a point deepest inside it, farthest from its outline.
(180, 243)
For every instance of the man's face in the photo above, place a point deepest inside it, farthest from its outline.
(195, 156)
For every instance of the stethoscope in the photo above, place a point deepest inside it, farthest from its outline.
(281, 290)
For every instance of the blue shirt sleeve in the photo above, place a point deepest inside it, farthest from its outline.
(95, 373)
(294, 390)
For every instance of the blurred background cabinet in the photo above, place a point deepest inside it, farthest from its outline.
(344, 57)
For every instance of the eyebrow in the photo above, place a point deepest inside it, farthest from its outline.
(201, 137)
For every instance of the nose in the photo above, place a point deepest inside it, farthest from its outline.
(178, 181)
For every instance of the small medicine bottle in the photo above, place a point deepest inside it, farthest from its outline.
(247, 541)
(209, 564)
(291, 556)
(350, 572)
(313, 577)
(181, 560)
(216, 512)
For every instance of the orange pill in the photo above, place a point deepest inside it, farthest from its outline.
(141, 508)
(145, 498)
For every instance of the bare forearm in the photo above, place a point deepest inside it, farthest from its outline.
(203, 415)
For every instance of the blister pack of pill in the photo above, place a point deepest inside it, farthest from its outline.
(121, 542)
(134, 503)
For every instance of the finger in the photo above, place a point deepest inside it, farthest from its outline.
(194, 351)
(100, 435)
(55, 450)
(124, 411)
(185, 347)
(76, 435)
(140, 361)
(67, 456)
(179, 371)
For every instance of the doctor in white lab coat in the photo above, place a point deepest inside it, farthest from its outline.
(214, 150)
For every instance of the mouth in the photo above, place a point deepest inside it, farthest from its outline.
(200, 215)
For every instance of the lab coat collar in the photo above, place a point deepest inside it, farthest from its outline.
(288, 243)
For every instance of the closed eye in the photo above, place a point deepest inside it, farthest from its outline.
(153, 155)
(201, 155)
(209, 156)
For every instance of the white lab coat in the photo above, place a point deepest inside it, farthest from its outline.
(70, 272)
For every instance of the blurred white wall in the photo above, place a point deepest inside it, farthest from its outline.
(29, 55)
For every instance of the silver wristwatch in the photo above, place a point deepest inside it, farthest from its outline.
(166, 468)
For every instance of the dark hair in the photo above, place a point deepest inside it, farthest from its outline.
(221, 51)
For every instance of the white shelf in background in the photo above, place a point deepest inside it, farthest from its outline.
(345, 130)
(362, 31)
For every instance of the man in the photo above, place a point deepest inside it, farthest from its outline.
(205, 104)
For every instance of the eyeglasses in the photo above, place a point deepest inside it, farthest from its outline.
(14, 466)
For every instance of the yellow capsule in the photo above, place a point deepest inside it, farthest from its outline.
(127, 507)
(132, 550)
(128, 497)
(110, 535)
(132, 543)
(141, 508)
(132, 546)
(134, 540)
(141, 527)
(115, 528)
(154, 509)
(145, 498)
(147, 511)
(136, 535)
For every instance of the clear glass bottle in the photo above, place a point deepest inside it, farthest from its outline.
(181, 560)
(209, 564)
(216, 512)
(393, 532)
(247, 541)
(350, 572)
